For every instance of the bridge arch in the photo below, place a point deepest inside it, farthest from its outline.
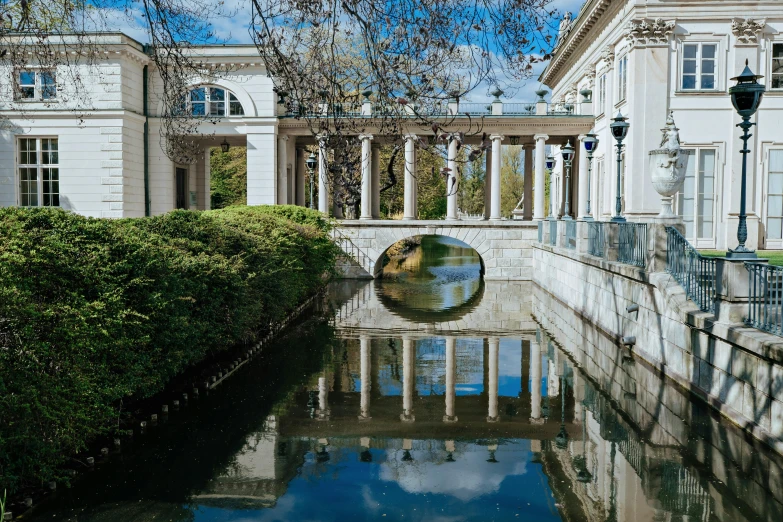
(378, 263)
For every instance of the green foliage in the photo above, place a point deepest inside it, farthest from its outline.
(472, 186)
(94, 311)
(228, 177)
(431, 193)
(512, 182)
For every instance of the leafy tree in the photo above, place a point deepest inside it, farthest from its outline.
(512, 183)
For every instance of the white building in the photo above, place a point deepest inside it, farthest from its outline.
(646, 57)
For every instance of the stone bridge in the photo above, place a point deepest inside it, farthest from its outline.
(505, 246)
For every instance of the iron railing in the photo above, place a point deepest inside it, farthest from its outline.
(765, 303)
(540, 231)
(695, 273)
(349, 248)
(633, 244)
(553, 232)
(519, 108)
(595, 238)
(570, 234)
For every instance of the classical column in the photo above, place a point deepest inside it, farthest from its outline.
(261, 173)
(488, 183)
(538, 207)
(451, 379)
(535, 381)
(408, 378)
(365, 378)
(301, 168)
(527, 214)
(409, 200)
(494, 348)
(452, 181)
(323, 399)
(376, 181)
(323, 180)
(366, 176)
(282, 169)
(207, 177)
(494, 212)
(584, 189)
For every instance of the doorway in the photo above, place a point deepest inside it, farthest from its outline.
(181, 175)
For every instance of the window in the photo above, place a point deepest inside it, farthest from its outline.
(39, 173)
(622, 78)
(211, 101)
(602, 94)
(696, 200)
(699, 66)
(776, 76)
(775, 195)
(36, 85)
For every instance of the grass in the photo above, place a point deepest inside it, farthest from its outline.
(775, 256)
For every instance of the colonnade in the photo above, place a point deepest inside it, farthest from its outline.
(534, 178)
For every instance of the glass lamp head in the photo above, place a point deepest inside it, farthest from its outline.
(746, 95)
(567, 152)
(591, 143)
(225, 146)
(550, 162)
(311, 162)
(619, 127)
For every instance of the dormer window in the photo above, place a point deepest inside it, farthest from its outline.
(214, 102)
(36, 85)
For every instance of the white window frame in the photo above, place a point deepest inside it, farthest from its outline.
(602, 93)
(39, 167)
(622, 79)
(703, 242)
(771, 66)
(229, 100)
(38, 90)
(769, 243)
(718, 85)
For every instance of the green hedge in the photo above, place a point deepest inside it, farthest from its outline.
(94, 312)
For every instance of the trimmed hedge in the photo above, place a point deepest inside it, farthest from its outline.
(94, 312)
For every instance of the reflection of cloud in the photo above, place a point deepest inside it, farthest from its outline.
(469, 477)
(370, 503)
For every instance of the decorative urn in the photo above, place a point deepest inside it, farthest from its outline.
(668, 165)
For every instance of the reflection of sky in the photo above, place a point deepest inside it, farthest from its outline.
(426, 488)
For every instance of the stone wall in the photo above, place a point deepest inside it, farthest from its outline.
(736, 369)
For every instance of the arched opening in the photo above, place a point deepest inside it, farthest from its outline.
(213, 102)
(430, 278)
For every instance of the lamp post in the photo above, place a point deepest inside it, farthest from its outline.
(619, 127)
(746, 98)
(568, 157)
(550, 165)
(311, 163)
(591, 144)
(225, 146)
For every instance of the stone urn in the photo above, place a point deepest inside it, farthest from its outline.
(668, 165)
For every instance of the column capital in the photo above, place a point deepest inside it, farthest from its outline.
(366, 137)
(410, 136)
(283, 137)
(538, 137)
(494, 137)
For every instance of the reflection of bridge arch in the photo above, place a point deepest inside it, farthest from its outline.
(503, 246)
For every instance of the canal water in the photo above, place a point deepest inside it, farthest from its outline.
(431, 395)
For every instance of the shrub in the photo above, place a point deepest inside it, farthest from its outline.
(95, 312)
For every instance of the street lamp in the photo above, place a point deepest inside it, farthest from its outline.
(746, 98)
(619, 127)
(550, 165)
(568, 156)
(225, 145)
(591, 144)
(311, 162)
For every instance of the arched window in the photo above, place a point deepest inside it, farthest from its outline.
(214, 102)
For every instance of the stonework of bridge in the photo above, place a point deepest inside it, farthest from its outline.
(505, 246)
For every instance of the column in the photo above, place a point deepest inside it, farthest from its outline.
(579, 395)
(366, 176)
(282, 169)
(535, 382)
(494, 212)
(494, 348)
(488, 183)
(323, 180)
(409, 201)
(323, 399)
(452, 181)
(584, 189)
(540, 189)
(365, 378)
(301, 168)
(207, 176)
(528, 187)
(408, 379)
(451, 379)
(261, 173)
(376, 181)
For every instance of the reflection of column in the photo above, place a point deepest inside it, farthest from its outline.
(494, 212)
(408, 379)
(323, 183)
(535, 381)
(366, 454)
(452, 181)
(538, 207)
(494, 348)
(366, 162)
(451, 377)
(323, 399)
(365, 378)
(450, 449)
(524, 371)
(376, 181)
(579, 395)
(409, 198)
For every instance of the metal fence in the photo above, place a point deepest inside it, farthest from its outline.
(570, 234)
(553, 232)
(765, 306)
(695, 273)
(540, 231)
(595, 238)
(633, 244)
(349, 248)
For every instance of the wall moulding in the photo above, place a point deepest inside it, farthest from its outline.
(649, 32)
(747, 31)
